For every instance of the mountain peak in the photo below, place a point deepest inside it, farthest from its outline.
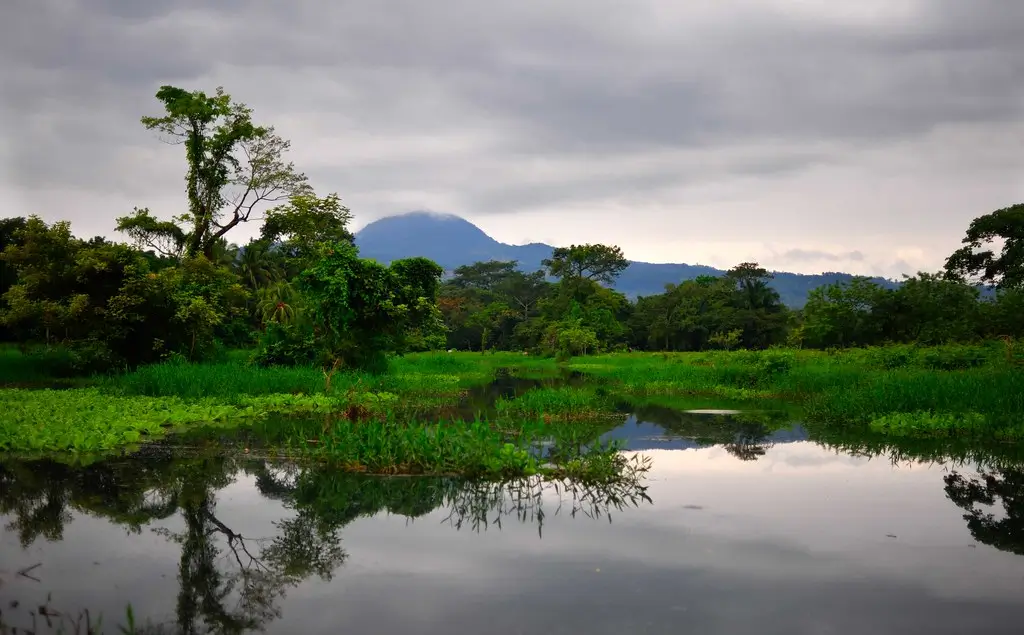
(430, 234)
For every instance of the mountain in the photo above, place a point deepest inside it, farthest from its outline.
(452, 241)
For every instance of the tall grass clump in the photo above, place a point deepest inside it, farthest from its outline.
(222, 380)
(997, 394)
(35, 365)
(564, 402)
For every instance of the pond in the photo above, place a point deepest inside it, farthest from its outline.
(737, 528)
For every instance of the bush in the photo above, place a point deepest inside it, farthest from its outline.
(287, 345)
(775, 363)
(893, 357)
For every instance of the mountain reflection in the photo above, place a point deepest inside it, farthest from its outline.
(230, 582)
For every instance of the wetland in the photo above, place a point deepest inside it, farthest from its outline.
(640, 493)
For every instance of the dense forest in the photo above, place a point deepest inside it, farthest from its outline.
(299, 293)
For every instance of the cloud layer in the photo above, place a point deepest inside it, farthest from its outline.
(804, 134)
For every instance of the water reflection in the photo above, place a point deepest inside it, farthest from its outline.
(748, 523)
(745, 435)
(230, 581)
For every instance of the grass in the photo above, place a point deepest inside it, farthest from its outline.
(564, 403)
(415, 417)
(970, 391)
(381, 424)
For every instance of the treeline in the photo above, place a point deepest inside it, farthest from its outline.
(493, 305)
(300, 294)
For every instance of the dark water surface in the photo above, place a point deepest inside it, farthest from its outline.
(739, 530)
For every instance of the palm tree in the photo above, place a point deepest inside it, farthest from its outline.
(277, 303)
(224, 253)
(257, 267)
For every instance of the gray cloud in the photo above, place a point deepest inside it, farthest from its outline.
(670, 109)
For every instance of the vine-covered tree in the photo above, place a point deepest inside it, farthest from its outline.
(232, 167)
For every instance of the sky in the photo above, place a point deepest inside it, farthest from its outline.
(807, 135)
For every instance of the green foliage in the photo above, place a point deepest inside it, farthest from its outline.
(466, 448)
(843, 314)
(928, 309)
(484, 304)
(598, 263)
(306, 222)
(575, 339)
(736, 310)
(100, 301)
(91, 419)
(35, 365)
(362, 310)
(850, 388)
(978, 258)
(930, 424)
(288, 345)
(561, 402)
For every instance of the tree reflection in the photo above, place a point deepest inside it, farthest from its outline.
(745, 435)
(979, 491)
(231, 582)
(980, 495)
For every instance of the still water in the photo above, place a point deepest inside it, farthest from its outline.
(734, 530)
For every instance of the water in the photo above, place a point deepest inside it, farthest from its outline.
(737, 529)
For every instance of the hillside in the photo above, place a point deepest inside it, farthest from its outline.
(452, 241)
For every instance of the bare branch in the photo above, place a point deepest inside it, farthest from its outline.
(264, 178)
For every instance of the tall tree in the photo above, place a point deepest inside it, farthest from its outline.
(306, 221)
(759, 311)
(845, 314)
(233, 166)
(978, 258)
(363, 310)
(600, 263)
(524, 290)
(485, 275)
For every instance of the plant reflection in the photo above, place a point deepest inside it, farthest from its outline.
(231, 582)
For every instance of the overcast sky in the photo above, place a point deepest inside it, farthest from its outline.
(808, 135)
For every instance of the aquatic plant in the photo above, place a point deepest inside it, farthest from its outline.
(393, 446)
(88, 419)
(562, 402)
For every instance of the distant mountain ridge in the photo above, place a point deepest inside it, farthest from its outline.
(452, 241)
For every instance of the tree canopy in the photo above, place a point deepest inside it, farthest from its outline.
(979, 259)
